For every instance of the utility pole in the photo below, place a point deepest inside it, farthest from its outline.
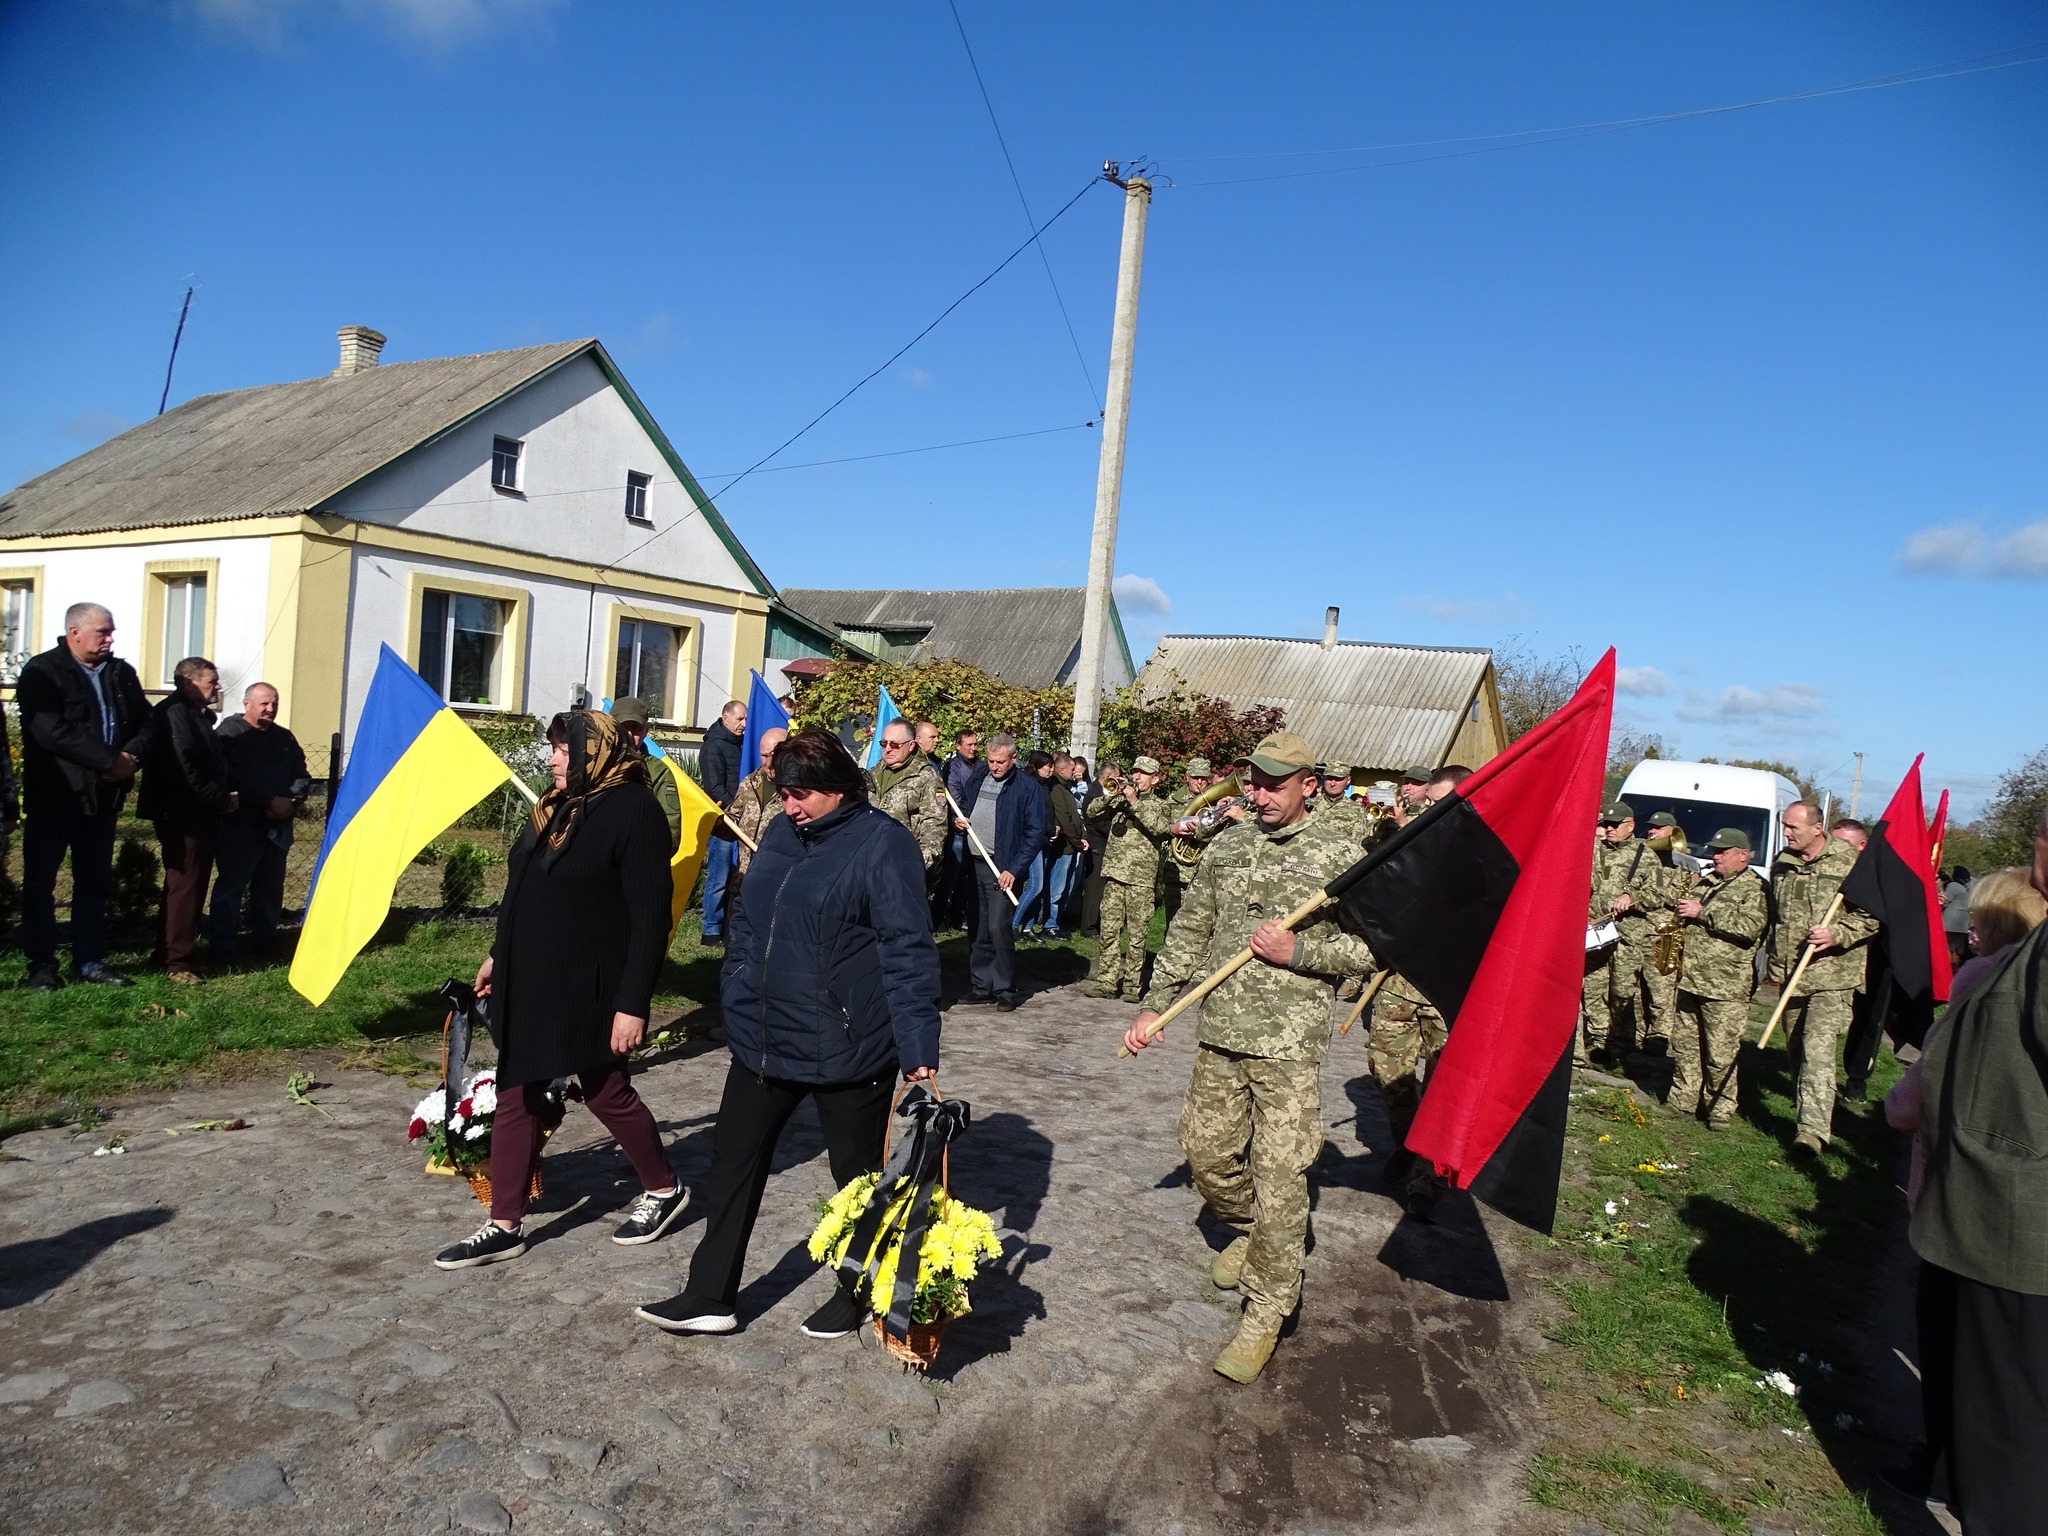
(1856, 789)
(1109, 475)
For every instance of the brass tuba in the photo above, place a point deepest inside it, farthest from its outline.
(1206, 810)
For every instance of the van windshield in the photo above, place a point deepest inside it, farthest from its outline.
(1701, 819)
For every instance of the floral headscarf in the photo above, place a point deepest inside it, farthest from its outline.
(600, 757)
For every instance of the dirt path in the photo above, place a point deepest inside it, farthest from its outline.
(222, 1330)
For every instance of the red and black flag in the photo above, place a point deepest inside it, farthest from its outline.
(1481, 904)
(1895, 881)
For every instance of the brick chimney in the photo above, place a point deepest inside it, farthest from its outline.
(1329, 629)
(359, 348)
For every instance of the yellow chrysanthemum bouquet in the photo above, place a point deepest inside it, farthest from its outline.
(958, 1240)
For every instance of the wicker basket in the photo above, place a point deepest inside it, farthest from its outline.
(480, 1186)
(920, 1348)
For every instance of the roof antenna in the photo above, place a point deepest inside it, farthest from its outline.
(184, 310)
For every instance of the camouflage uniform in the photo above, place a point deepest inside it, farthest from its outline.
(1130, 869)
(1252, 1123)
(1714, 983)
(754, 804)
(1407, 1035)
(1625, 868)
(916, 797)
(1653, 994)
(661, 775)
(1818, 1015)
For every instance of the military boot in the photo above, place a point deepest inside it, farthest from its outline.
(1246, 1355)
(1229, 1265)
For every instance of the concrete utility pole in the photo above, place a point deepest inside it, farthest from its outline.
(1109, 475)
(1856, 790)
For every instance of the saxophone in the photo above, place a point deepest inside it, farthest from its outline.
(1667, 948)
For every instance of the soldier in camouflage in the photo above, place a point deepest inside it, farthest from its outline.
(754, 804)
(1179, 876)
(1628, 886)
(1654, 996)
(1134, 824)
(1252, 1123)
(906, 785)
(1804, 881)
(1724, 920)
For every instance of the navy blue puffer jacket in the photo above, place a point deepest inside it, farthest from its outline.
(831, 975)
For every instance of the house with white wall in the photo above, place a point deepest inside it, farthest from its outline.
(513, 523)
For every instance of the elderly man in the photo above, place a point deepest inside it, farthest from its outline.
(1007, 814)
(267, 769)
(928, 742)
(719, 762)
(185, 792)
(1253, 1123)
(906, 785)
(1133, 823)
(754, 804)
(1724, 920)
(1804, 881)
(85, 724)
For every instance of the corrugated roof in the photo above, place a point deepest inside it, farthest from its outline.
(1356, 702)
(1029, 636)
(275, 449)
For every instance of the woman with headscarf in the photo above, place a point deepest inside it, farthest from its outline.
(582, 932)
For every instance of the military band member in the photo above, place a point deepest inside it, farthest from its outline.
(1134, 822)
(1655, 994)
(1413, 794)
(906, 785)
(1179, 875)
(1804, 881)
(1724, 919)
(1252, 1123)
(1628, 886)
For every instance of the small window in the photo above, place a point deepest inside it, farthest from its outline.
(636, 496)
(646, 664)
(184, 622)
(17, 613)
(462, 646)
(505, 453)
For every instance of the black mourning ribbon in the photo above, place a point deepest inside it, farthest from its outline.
(918, 1158)
(462, 1005)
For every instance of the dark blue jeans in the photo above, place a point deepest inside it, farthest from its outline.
(718, 864)
(246, 861)
(45, 838)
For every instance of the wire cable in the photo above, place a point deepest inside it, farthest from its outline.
(897, 453)
(1094, 395)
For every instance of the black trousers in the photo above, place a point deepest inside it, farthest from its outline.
(992, 956)
(246, 863)
(751, 1116)
(1996, 1466)
(46, 837)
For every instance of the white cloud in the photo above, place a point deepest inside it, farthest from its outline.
(1786, 702)
(1968, 549)
(917, 378)
(1642, 682)
(1140, 594)
(1478, 610)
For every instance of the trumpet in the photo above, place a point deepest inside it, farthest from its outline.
(1207, 810)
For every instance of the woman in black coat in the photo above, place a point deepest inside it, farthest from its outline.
(830, 988)
(582, 933)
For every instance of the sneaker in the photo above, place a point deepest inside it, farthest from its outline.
(836, 1319)
(1006, 1002)
(651, 1216)
(101, 974)
(488, 1244)
(689, 1314)
(44, 978)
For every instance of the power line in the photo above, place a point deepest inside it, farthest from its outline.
(1525, 138)
(897, 453)
(1094, 396)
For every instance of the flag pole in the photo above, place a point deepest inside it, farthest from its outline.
(991, 863)
(533, 799)
(1229, 968)
(1785, 996)
(1365, 1001)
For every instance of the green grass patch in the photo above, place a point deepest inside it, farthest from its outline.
(1602, 1486)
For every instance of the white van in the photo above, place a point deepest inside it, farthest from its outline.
(1705, 797)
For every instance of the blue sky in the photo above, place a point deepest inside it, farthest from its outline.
(1754, 396)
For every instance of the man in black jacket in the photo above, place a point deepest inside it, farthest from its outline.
(267, 768)
(185, 791)
(85, 723)
(719, 762)
(1007, 815)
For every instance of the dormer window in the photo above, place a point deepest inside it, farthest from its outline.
(636, 496)
(505, 454)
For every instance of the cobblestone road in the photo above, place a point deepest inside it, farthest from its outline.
(241, 1331)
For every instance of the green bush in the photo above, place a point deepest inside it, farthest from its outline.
(137, 882)
(462, 876)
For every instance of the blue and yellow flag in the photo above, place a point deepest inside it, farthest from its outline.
(413, 768)
(687, 862)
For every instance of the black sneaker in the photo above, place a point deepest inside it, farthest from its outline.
(651, 1216)
(1006, 1002)
(488, 1244)
(101, 974)
(689, 1314)
(836, 1319)
(44, 978)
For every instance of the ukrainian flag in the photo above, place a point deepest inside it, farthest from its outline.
(699, 812)
(413, 768)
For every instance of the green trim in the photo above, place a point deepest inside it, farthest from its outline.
(1116, 621)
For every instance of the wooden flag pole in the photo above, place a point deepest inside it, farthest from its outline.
(1365, 1002)
(1229, 968)
(991, 863)
(1805, 959)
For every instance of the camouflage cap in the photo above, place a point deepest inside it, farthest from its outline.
(1281, 754)
(629, 712)
(1142, 764)
(1418, 775)
(1663, 819)
(1730, 837)
(1617, 811)
(1336, 770)
(1198, 767)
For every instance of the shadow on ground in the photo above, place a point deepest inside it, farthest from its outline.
(41, 1264)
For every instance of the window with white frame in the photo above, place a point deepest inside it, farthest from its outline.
(17, 613)
(462, 646)
(505, 455)
(184, 622)
(636, 496)
(646, 665)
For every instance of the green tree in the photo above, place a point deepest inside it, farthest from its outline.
(953, 695)
(1179, 723)
(1626, 750)
(2004, 833)
(1532, 687)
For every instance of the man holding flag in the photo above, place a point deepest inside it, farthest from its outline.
(1804, 883)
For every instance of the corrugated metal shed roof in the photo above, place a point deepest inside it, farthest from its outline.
(1357, 702)
(275, 449)
(1025, 635)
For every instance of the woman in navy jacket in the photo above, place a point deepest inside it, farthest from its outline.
(830, 989)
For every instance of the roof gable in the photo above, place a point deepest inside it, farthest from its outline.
(1024, 635)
